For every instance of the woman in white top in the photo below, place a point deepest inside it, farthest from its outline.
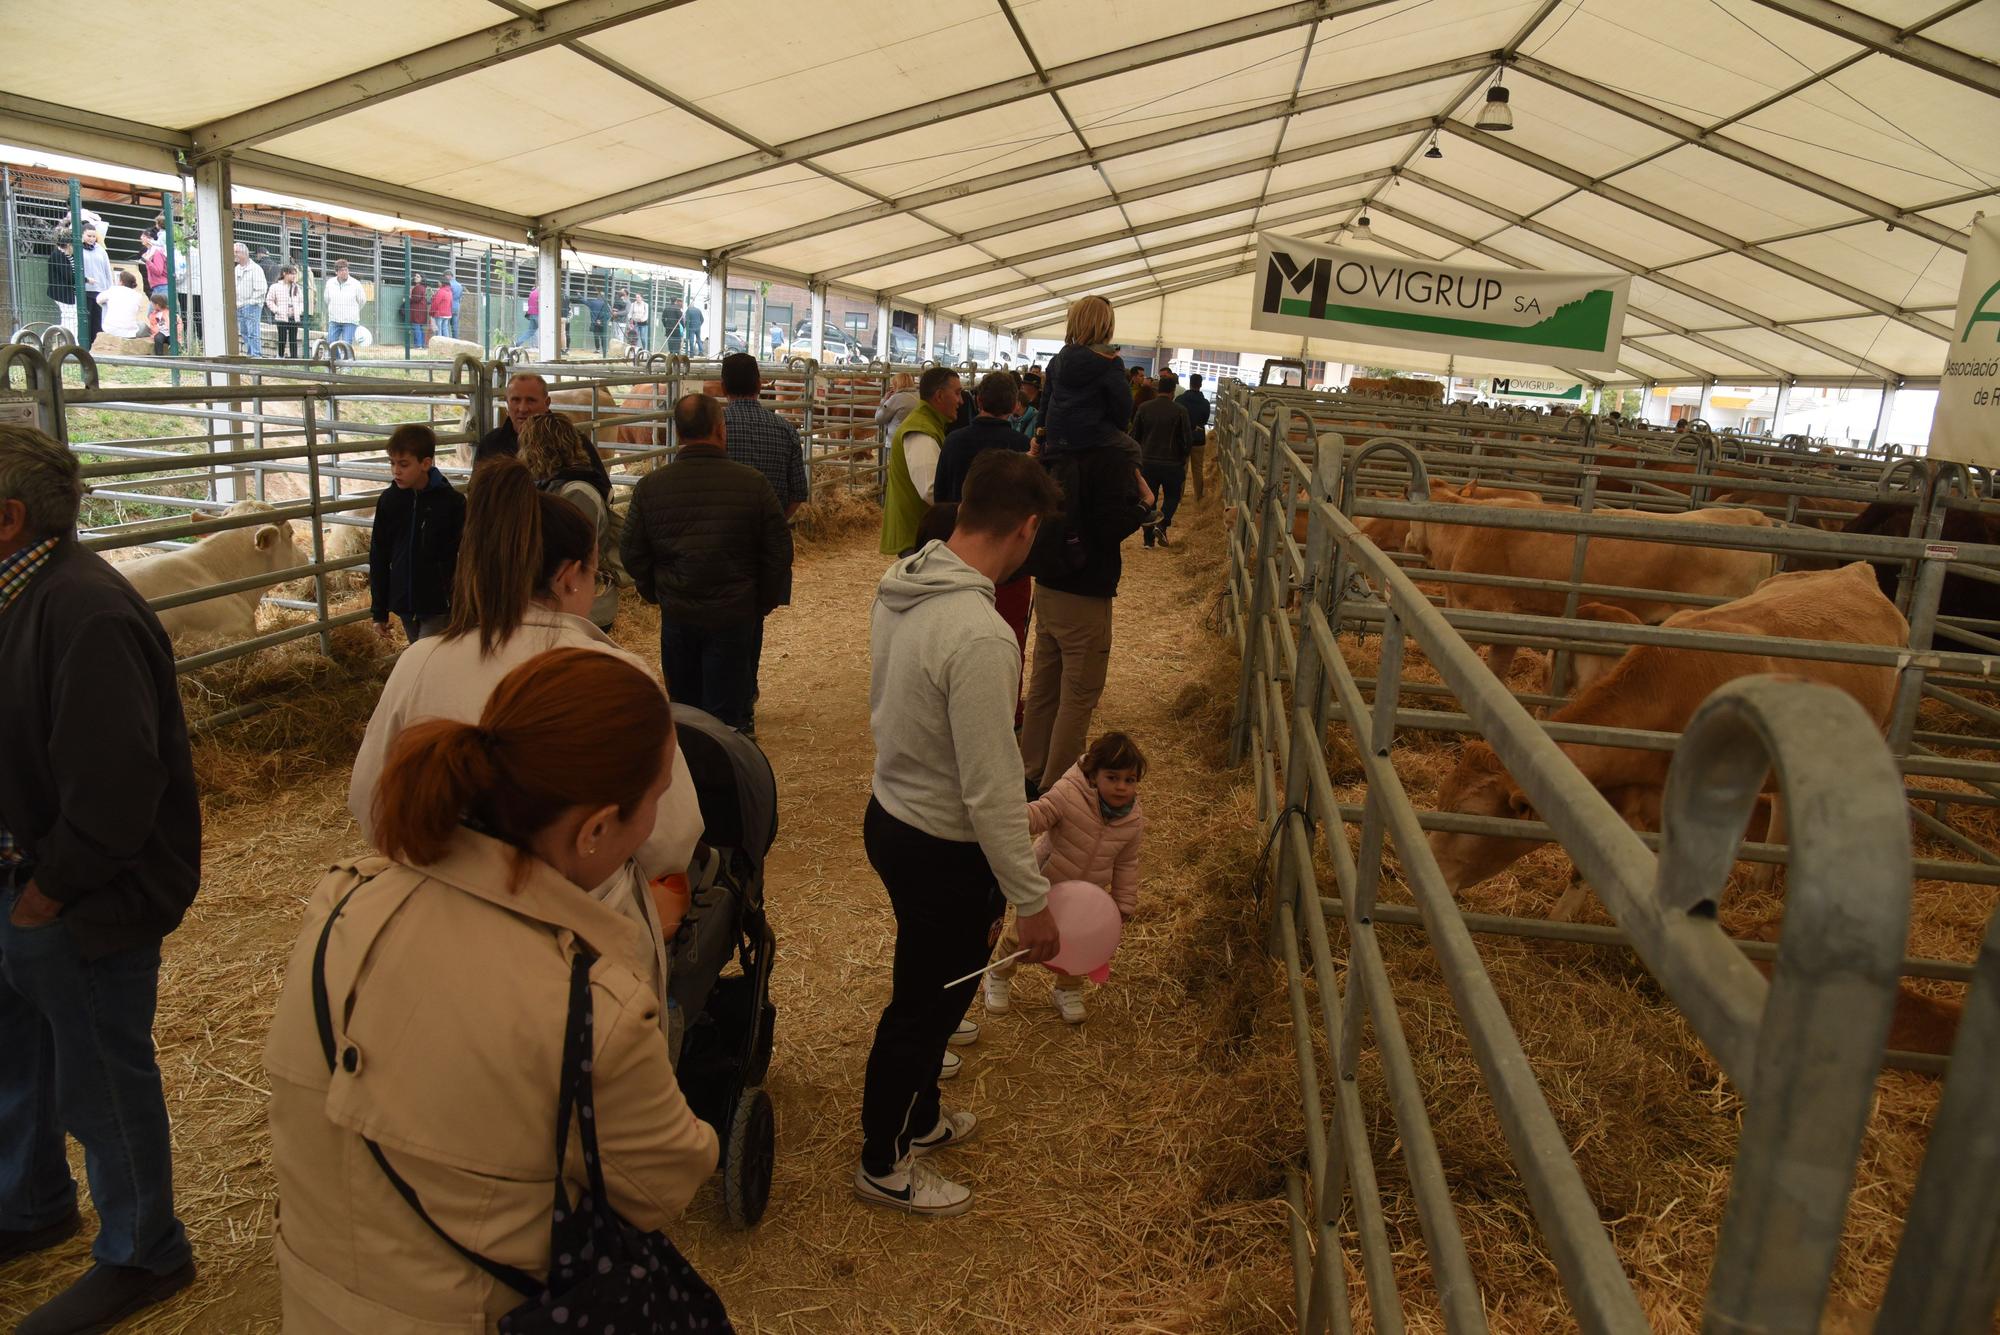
(527, 569)
(125, 307)
(553, 449)
(286, 300)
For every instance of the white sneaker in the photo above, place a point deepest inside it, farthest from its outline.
(968, 1033)
(914, 1187)
(999, 994)
(949, 1071)
(1069, 1003)
(953, 1128)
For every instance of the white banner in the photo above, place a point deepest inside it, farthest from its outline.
(1536, 387)
(1519, 315)
(1967, 425)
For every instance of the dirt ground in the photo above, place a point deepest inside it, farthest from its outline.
(1125, 1169)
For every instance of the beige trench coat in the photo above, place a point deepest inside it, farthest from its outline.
(450, 990)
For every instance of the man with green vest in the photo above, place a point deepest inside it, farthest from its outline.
(913, 457)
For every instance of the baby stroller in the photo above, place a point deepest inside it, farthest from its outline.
(722, 1042)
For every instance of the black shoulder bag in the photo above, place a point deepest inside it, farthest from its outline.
(600, 1267)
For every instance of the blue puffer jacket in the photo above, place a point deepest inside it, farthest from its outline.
(1088, 400)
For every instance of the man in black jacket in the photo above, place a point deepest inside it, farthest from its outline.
(1196, 404)
(1076, 565)
(100, 855)
(527, 397)
(707, 541)
(1165, 438)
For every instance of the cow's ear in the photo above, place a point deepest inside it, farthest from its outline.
(1518, 805)
(267, 537)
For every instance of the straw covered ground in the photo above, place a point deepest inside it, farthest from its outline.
(1128, 1169)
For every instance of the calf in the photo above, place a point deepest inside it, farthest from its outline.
(218, 558)
(1658, 689)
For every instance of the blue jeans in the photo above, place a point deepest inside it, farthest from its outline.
(78, 1039)
(341, 333)
(712, 667)
(528, 334)
(250, 329)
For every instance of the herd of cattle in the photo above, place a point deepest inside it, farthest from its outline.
(1693, 586)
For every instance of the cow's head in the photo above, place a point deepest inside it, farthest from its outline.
(1479, 786)
(271, 544)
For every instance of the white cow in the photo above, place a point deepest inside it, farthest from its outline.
(218, 558)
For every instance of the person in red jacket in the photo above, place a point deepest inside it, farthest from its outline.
(441, 310)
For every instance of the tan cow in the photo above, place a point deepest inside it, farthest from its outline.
(218, 558)
(1658, 689)
(1716, 572)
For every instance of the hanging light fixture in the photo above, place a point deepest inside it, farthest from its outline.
(1496, 115)
(1363, 224)
(1434, 152)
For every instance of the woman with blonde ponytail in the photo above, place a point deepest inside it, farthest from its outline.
(417, 1055)
(527, 572)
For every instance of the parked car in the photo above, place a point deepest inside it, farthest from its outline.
(902, 346)
(839, 348)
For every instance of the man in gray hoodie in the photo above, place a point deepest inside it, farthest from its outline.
(946, 829)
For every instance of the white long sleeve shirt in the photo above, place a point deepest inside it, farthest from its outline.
(344, 301)
(251, 285)
(920, 456)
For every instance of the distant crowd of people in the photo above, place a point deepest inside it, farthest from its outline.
(532, 815)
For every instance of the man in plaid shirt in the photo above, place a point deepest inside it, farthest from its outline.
(768, 443)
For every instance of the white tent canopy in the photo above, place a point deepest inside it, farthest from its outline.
(1789, 180)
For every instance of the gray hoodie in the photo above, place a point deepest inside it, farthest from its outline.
(941, 705)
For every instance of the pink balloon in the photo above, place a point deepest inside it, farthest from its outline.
(1088, 919)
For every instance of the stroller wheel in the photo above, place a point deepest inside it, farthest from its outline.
(748, 1155)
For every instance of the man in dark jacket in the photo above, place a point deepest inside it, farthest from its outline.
(706, 540)
(995, 398)
(527, 397)
(100, 855)
(1165, 437)
(991, 429)
(1196, 404)
(413, 550)
(1076, 565)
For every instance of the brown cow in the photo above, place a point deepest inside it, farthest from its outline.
(1658, 689)
(1829, 514)
(1717, 572)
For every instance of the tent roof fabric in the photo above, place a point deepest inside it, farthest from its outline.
(1789, 181)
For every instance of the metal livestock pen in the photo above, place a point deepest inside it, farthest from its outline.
(1804, 1050)
(168, 444)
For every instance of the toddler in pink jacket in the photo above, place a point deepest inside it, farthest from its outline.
(1088, 828)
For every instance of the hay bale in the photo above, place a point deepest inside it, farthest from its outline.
(444, 349)
(112, 345)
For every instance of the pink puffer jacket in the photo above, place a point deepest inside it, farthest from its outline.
(1076, 843)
